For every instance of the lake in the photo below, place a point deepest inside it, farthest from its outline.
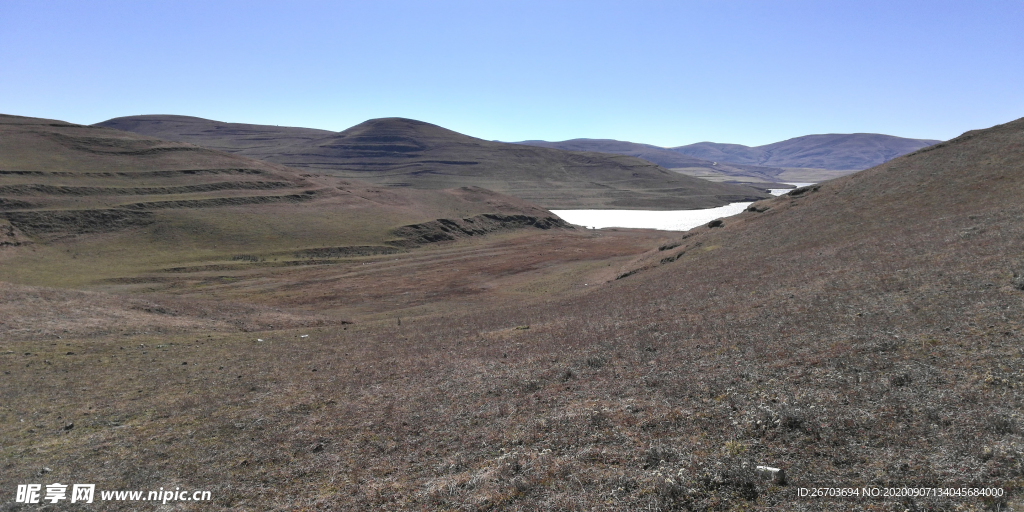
(673, 220)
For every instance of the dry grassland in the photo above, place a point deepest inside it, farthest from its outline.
(864, 333)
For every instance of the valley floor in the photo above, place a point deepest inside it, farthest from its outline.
(490, 376)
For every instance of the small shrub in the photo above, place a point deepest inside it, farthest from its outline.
(900, 380)
(1001, 425)
(791, 419)
(1018, 280)
(655, 455)
(672, 494)
(734, 448)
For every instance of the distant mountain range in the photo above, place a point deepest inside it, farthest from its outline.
(409, 153)
(834, 151)
(578, 173)
(838, 152)
(667, 158)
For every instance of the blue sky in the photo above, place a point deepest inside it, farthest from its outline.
(660, 72)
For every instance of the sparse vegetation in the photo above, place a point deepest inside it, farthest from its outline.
(856, 336)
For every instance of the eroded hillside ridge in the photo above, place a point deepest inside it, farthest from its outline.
(443, 230)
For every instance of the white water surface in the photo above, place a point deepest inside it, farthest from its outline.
(673, 220)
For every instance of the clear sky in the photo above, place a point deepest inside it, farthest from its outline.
(659, 72)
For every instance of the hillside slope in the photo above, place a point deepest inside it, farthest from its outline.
(879, 314)
(854, 151)
(406, 153)
(228, 137)
(864, 334)
(81, 204)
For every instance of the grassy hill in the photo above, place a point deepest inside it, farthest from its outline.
(406, 153)
(83, 205)
(860, 333)
(838, 152)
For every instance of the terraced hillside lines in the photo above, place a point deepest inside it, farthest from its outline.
(136, 174)
(43, 158)
(38, 189)
(228, 137)
(400, 152)
(72, 197)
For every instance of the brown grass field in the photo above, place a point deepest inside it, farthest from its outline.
(863, 333)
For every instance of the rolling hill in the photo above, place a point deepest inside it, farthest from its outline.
(863, 333)
(842, 152)
(664, 157)
(81, 205)
(880, 314)
(405, 153)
